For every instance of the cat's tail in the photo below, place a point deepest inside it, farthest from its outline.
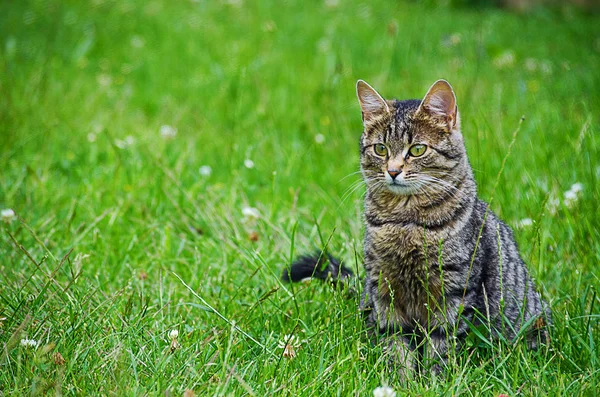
(318, 265)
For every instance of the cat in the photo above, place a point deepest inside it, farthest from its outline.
(437, 260)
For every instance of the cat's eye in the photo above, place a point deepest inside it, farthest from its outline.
(417, 150)
(380, 149)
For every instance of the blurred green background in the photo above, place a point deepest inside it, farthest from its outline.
(143, 141)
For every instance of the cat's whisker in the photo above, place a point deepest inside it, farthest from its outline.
(354, 184)
(350, 174)
(442, 190)
(446, 187)
(357, 185)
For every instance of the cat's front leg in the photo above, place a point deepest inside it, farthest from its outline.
(439, 347)
(400, 355)
(435, 357)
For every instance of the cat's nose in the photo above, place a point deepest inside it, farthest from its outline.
(394, 173)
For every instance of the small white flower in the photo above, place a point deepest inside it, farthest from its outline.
(576, 187)
(289, 340)
(384, 391)
(289, 344)
(546, 67)
(125, 143)
(250, 213)
(91, 137)
(29, 343)
(137, 42)
(505, 60)
(205, 170)
(173, 334)
(553, 203)
(572, 195)
(104, 79)
(7, 215)
(455, 39)
(168, 132)
(269, 26)
(248, 163)
(319, 138)
(452, 40)
(525, 222)
(531, 64)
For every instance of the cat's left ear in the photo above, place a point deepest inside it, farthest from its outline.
(440, 102)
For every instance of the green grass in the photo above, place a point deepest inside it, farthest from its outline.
(117, 244)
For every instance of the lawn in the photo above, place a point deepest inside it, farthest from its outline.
(166, 160)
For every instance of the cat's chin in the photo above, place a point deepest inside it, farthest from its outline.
(401, 190)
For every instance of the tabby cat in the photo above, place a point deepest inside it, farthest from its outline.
(437, 260)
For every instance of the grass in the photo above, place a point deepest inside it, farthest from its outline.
(119, 239)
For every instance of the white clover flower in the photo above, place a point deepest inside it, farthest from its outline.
(455, 39)
(291, 340)
(546, 67)
(29, 343)
(525, 222)
(125, 143)
(248, 163)
(505, 60)
(384, 391)
(168, 132)
(7, 215)
(205, 170)
(572, 195)
(553, 203)
(91, 137)
(319, 138)
(289, 344)
(531, 64)
(137, 42)
(250, 214)
(576, 187)
(104, 79)
(452, 40)
(269, 26)
(173, 334)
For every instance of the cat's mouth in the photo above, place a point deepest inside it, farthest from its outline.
(399, 187)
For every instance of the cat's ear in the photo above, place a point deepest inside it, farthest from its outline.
(440, 102)
(371, 103)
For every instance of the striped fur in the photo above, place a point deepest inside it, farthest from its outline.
(436, 258)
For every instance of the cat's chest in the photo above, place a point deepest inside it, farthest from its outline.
(402, 243)
(403, 260)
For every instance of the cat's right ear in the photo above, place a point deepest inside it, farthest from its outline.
(371, 103)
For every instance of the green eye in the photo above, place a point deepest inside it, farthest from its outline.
(380, 149)
(417, 150)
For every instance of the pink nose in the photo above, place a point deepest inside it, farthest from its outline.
(394, 173)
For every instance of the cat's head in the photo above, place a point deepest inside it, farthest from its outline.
(411, 147)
